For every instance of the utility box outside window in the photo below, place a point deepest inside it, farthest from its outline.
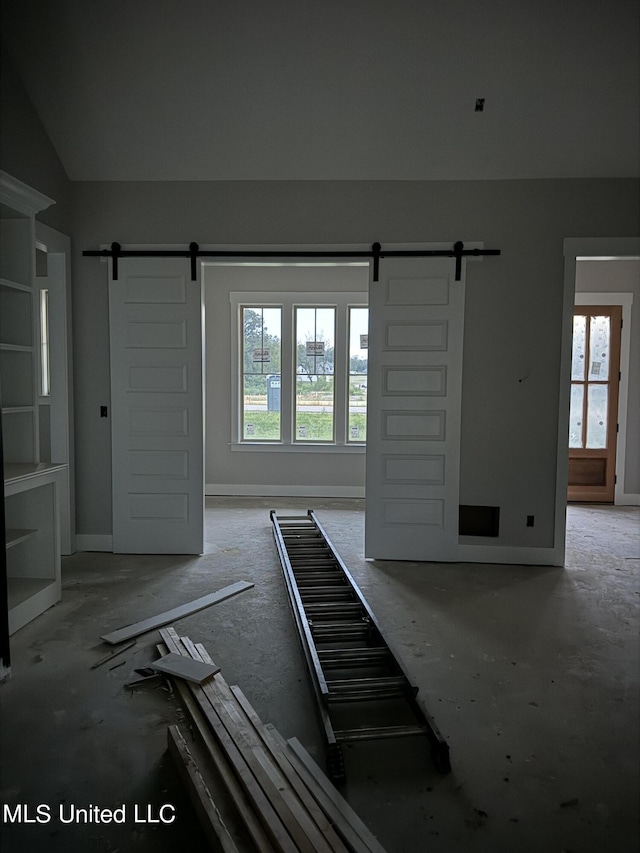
(273, 393)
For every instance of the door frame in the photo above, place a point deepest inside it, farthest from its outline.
(574, 248)
(58, 249)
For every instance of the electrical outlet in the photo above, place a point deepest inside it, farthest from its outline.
(530, 520)
(103, 412)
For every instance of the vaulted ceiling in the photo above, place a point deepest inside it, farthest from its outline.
(332, 89)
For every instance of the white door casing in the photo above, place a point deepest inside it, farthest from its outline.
(58, 282)
(155, 314)
(416, 325)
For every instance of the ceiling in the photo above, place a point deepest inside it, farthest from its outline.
(332, 89)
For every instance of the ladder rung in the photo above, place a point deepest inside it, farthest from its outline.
(352, 657)
(366, 695)
(344, 685)
(325, 594)
(331, 609)
(376, 732)
(338, 630)
(322, 579)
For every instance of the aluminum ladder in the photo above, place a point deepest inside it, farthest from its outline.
(361, 689)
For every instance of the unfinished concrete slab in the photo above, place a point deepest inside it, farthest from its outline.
(530, 672)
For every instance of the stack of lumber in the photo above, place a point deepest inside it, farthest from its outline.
(284, 800)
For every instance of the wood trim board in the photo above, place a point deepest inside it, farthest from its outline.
(175, 613)
(340, 803)
(183, 667)
(206, 809)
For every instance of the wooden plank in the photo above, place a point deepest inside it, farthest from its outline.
(337, 801)
(343, 827)
(282, 797)
(210, 818)
(279, 756)
(286, 802)
(222, 767)
(113, 655)
(183, 667)
(176, 613)
(271, 821)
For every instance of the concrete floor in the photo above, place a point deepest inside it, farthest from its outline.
(530, 672)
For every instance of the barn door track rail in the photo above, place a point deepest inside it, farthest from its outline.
(361, 689)
(376, 252)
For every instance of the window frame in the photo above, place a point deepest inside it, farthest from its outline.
(287, 301)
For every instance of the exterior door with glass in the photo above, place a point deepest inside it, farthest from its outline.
(595, 374)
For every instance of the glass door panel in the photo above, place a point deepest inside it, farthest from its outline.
(595, 364)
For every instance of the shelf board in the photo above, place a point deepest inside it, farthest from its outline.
(15, 471)
(14, 536)
(13, 410)
(15, 348)
(15, 285)
(20, 590)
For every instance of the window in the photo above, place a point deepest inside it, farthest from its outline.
(261, 349)
(302, 377)
(315, 388)
(358, 363)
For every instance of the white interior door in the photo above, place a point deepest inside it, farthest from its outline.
(155, 315)
(416, 322)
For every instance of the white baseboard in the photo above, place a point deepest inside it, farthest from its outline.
(627, 499)
(230, 490)
(94, 542)
(509, 554)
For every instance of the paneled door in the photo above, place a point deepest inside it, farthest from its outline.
(595, 374)
(155, 314)
(416, 320)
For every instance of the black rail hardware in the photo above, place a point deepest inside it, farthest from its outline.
(376, 252)
(361, 689)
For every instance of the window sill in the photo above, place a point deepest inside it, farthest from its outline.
(279, 447)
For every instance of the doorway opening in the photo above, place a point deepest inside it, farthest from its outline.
(286, 357)
(599, 272)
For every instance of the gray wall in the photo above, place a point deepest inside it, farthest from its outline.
(26, 151)
(622, 276)
(513, 307)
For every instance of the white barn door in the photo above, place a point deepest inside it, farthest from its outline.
(155, 314)
(416, 324)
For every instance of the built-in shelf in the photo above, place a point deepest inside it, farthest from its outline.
(14, 536)
(30, 487)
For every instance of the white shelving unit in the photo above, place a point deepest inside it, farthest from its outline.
(30, 486)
